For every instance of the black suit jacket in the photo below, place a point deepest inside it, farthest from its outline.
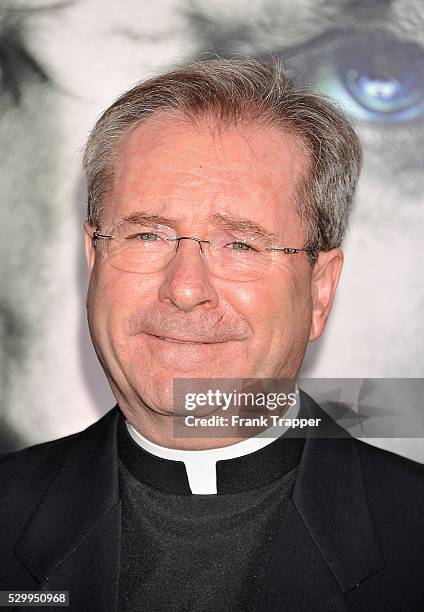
(351, 539)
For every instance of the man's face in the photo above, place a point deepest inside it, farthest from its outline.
(247, 329)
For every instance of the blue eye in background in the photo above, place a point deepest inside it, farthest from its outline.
(375, 77)
(366, 58)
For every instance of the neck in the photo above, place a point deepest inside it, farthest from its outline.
(169, 431)
(246, 464)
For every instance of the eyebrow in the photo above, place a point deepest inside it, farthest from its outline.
(148, 218)
(239, 224)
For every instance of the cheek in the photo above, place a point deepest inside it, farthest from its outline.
(262, 306)
(276, 308)
(295, 309)
(117, 301)
(108, 299)
(254, 301)
(245, 296)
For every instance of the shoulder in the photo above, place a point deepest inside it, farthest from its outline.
(389, 475)
(54, 473)
(34, 466)
(381, 457)
(393, 485)
(376, 463)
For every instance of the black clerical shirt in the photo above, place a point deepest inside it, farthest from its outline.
(185, 552)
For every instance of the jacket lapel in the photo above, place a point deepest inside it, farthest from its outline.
(327, 544)
(72, 540)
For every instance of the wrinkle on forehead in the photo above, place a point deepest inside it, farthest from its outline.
(223, 156)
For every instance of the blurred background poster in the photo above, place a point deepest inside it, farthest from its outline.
(62, 63)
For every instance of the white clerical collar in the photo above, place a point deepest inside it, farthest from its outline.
(200, 465)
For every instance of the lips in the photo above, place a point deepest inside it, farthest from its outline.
(202, 328)
(180, 341)
(184, 341)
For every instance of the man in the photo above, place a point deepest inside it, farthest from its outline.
(218, 198)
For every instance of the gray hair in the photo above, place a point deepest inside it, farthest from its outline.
(234, 91)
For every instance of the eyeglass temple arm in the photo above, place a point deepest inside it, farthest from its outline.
(96, 235)
(291, 251)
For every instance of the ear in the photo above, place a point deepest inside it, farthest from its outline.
(90, 251)
(325, 277)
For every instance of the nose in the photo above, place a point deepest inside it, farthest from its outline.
(187, 281)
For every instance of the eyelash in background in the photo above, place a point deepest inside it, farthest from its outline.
(17, 64)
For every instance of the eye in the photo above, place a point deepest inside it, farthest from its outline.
(376, 78)
(148, 236)
(143, 237)
(365, 56)
(241, 246)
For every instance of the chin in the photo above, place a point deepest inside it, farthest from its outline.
(162, 403)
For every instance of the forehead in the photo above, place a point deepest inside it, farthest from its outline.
(170, 167)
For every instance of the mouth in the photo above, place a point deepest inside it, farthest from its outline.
(179, 341)
(184, 341)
